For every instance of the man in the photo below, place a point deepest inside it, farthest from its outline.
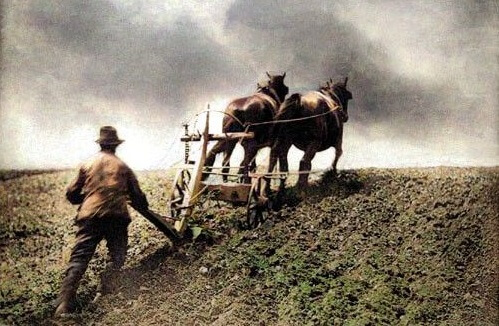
(102, 188)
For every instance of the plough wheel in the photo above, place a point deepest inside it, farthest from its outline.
(259, 204)
(180, 188)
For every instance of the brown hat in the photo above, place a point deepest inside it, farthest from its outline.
(108, 136)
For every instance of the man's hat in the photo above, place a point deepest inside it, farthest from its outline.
(108, 136)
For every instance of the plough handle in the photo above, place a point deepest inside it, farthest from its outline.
(161, 223)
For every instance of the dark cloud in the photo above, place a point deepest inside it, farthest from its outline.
(170, 65)
(324, 45)
(173, 64)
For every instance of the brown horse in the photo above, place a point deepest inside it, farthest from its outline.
(320, 116)
(241, 113)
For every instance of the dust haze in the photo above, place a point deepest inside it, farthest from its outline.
(423, 75)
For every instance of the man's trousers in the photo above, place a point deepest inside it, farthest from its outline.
(89, 233)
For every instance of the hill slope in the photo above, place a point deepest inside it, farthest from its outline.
(374, 246)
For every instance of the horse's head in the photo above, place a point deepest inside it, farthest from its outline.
(276, 83)
(339, 92)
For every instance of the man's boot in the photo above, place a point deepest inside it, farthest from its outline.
(66, 302)
(108, 282)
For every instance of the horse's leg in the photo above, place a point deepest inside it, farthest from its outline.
(279, 151)
(306, 163)
(337, 155)
(253, 164)
(229, 148)
(338, 151)
(250, 151)
(274, 155)
(212, 155)
(283, 162)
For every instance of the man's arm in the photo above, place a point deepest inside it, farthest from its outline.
(138, 199)
(73, 192)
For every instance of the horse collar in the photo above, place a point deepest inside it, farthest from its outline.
(336, 98)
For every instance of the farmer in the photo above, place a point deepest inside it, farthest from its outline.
(102, 188)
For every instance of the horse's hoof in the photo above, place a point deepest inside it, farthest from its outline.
(64, 310)
(302, 194)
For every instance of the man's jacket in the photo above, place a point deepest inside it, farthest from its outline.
(103, 187)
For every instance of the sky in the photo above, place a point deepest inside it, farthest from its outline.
(424, 75)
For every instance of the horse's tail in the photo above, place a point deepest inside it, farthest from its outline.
(288, 110)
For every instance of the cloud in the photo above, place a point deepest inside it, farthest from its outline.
(108, 54)
(421, 73)
(408, 62)
(72, 62)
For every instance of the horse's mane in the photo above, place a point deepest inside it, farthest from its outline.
(262, 84)
(268, 91)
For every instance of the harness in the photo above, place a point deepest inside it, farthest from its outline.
(333, 106)
(337, 104)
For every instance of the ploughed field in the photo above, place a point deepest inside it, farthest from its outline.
(374, 246)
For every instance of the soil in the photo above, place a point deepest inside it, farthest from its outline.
(368, 247)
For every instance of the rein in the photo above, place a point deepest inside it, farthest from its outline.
(227, 114)
(247, 126)
(288, 120)
(274, 97)
(339, 107)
